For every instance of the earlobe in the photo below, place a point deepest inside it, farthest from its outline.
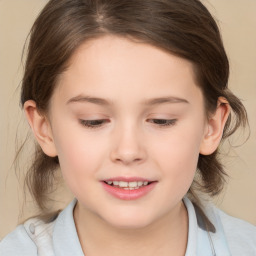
(40, 127)
(215, 127)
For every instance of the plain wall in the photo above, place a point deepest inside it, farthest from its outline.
(238, 26)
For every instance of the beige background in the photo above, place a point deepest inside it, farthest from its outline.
(237, 19)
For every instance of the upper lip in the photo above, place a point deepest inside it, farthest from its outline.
(128, 179)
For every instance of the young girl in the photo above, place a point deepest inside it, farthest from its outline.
(130, 100)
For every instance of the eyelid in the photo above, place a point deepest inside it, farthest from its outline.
(98, 123)
(169, 122)
(89, 123)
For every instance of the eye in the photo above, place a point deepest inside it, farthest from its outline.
(163, 122)
(93, 123)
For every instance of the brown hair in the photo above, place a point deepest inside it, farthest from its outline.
(181, 27)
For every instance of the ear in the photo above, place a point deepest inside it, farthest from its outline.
(40, 127)
(215, 127)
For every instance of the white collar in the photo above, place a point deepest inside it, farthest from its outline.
(200, 243)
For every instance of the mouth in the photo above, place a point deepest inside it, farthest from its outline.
(128, 188)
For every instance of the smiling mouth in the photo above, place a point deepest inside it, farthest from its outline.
(132, 185)
(131, 188)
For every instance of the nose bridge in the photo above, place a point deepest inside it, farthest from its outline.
(128, 146)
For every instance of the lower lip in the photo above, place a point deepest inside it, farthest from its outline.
(128, 194)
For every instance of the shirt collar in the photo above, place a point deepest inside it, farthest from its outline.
(65, 237)
(66, 241)
(200, 241)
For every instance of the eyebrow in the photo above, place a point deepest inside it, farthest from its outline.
(95, 100)
(162, 100)
(105, 102)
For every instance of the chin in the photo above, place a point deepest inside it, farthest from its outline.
(129, 221)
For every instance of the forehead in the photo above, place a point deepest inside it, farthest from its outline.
(115, 67)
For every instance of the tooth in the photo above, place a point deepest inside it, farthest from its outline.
(128, 185)
(126, 188)
(123, 184)
(140, 183)
(131, 188)
(133, 184)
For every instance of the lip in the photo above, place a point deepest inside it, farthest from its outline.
(128, 194)
(128, 179)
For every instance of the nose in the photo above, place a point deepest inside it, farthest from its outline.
(128, 147)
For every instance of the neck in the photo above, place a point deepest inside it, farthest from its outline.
(166, 236)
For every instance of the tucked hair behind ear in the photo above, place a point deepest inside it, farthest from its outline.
(184, 28)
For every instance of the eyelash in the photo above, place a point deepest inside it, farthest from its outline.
(94, 124)
(167, 122)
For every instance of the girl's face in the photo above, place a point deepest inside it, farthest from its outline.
(126, 111)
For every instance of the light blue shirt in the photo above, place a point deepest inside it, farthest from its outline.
(233, 236)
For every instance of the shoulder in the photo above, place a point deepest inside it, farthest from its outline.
(18, 243)
(240, 235)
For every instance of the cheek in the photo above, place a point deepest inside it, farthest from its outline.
(78, 154)
(179, 153)
(79, 162)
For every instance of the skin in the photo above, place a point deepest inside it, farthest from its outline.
(128, 143)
